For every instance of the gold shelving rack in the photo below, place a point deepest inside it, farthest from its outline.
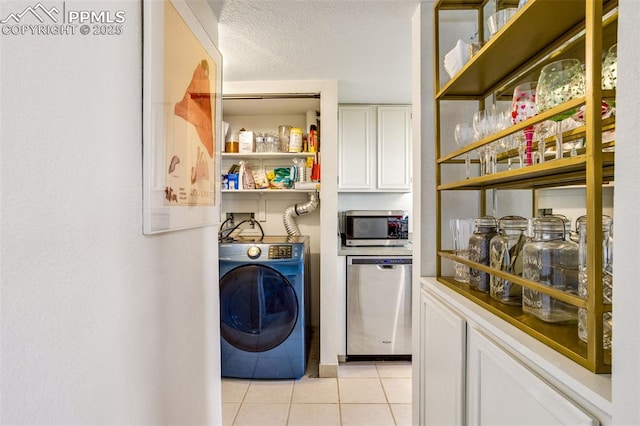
(541, 32)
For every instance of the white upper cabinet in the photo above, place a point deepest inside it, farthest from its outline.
(374, 148)
(394, 148)
(356, 147)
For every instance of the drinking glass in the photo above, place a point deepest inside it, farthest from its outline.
(463, 135)
(503, 121)
(560, 82)
(523, 107)
(610, 69)
(605, 111)
(483, 126)
(610, 72)
(461, 230)
(542, 130)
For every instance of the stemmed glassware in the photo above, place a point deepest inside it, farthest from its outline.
(609, 77)
(610, 69)
(481, 130)
(487, 123)
(542, 130)
(560, 82)
(483, 126)
(463, 135)
(523, 107)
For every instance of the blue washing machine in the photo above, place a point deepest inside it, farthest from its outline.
(264, 307)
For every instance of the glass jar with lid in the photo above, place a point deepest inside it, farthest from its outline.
(486, 229)
(551, 259)
(505, 252)
(607, 276)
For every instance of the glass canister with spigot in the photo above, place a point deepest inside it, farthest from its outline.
(505, 252)
(551, 259)
(607, 277)
(486, 229)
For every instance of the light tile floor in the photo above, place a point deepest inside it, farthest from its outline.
(365, 393)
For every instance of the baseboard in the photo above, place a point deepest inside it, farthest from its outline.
(328, 370)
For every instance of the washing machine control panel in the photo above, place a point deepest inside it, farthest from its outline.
(254, 252)
(280, 251)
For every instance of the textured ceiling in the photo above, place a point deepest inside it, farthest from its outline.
(364, 44)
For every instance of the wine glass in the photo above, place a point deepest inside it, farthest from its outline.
(605, 112)
(610, 68)
(541, 131)
(560, 82)
(486, 123)
(481, 127)
(610, 72)
(523, 107)
(463, 135)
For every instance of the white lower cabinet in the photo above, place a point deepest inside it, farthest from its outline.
(503, 391)
(442, 363)
(467, 377)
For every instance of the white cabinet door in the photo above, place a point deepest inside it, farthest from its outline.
(356, 147)
(503, 391)
(394, 148)
(442, 363)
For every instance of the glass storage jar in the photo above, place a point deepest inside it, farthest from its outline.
(607, 277)
(486, 229)
(550, 259)
(505, 252)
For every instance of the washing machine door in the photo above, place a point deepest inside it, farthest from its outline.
(258, 308)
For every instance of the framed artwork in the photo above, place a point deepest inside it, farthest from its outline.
(182, 119)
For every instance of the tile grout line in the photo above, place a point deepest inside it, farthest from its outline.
(244, 395)
(386, 397)
(339, 397)
(293, 386)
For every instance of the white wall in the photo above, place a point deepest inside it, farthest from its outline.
(626, 344)
(100, 324)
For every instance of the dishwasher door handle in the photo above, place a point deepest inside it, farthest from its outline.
(387, 266)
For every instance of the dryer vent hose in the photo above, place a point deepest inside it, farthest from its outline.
(298, 210)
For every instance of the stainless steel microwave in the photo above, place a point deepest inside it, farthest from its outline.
(376, 227)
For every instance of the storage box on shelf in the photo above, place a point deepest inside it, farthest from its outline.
(579, 29)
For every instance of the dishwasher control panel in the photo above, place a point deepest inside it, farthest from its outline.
(381, 261)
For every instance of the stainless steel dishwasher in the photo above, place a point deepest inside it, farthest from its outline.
(378, 307)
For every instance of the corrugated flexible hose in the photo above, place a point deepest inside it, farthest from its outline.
(298, 210)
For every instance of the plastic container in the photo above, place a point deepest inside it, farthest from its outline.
(295, 139)
(551, 259)
(313, 138)
(232, 144)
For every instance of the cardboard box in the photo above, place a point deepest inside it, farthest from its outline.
(246, 142)
(233, 181)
